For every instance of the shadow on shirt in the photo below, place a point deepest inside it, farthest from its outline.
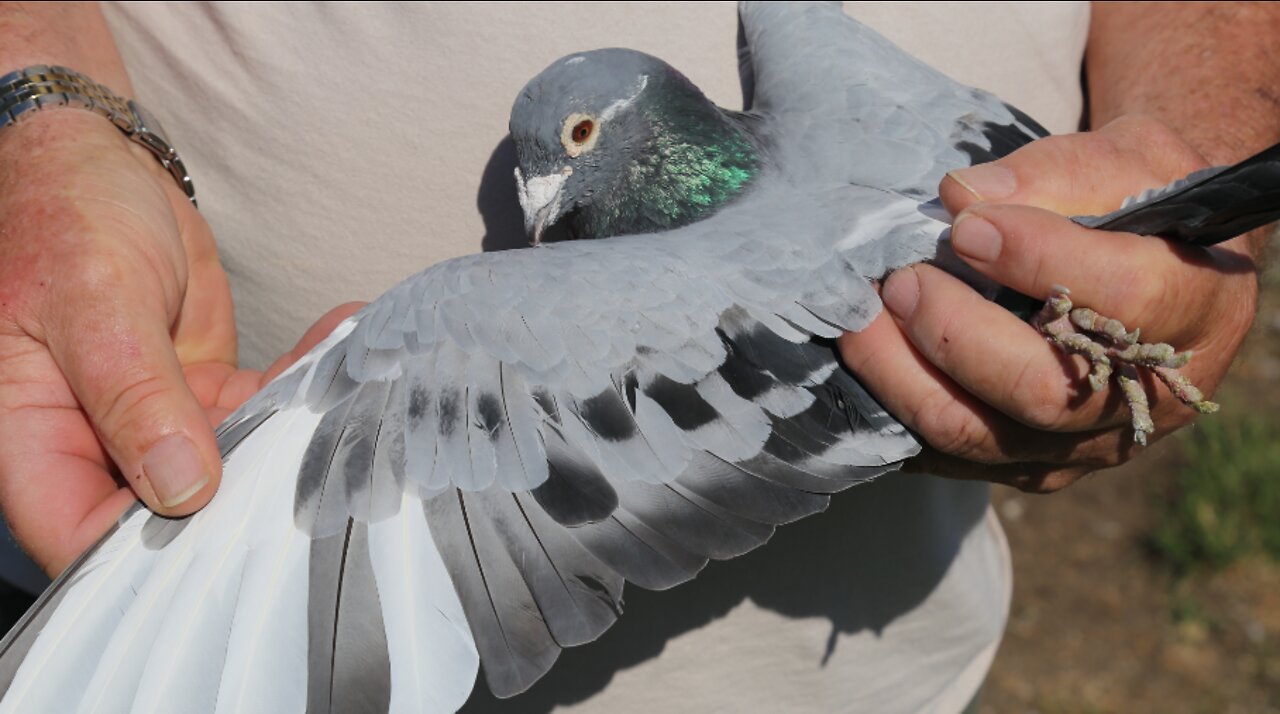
(497, 201)
(875, 555)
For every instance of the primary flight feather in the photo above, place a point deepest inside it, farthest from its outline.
(469, 470)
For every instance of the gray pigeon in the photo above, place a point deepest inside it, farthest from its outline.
(470, 469)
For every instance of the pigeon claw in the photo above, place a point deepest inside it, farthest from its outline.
(1113, 351)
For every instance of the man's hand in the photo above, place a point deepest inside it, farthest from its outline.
(117, 341)
(111, 299)
(987, 393)
(991, 397)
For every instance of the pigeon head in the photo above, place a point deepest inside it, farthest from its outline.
(615, 142)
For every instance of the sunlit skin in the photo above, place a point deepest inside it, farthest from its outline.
(116, 269)
(1000, 403)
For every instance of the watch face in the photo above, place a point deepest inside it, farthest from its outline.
(150, 134)
(147, 123)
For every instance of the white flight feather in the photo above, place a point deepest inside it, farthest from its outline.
(127, 594)
(256, 526)
(116, 680)
(87, 615)
(433, 657)
(171, 604)
(266, 657)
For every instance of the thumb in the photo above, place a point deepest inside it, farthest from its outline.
(1088, 173)
(113, 345)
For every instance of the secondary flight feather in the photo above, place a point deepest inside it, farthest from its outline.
(470, 469)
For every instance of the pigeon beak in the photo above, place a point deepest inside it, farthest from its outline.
(540, 200)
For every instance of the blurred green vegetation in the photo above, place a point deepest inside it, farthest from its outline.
(1225, 503)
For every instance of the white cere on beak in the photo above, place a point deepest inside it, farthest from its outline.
(540, 192)
(540, 199)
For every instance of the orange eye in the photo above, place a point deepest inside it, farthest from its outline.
(582, 131)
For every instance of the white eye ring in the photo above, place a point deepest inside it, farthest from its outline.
(576, 142)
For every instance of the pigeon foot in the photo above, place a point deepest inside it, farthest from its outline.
(1115, 352)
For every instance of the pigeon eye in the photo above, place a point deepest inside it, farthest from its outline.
(578, 134)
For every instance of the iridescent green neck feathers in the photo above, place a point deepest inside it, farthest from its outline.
(691, 161)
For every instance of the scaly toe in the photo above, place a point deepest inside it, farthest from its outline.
(1113, 351)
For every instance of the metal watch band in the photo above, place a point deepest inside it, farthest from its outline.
(27, 90)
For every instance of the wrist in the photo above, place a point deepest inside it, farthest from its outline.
(37, 153)
(52, 138)
(39, 89)
(75, 191)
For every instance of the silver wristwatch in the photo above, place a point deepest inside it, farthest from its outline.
(27, 90)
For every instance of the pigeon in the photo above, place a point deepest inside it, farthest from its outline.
(469, 470)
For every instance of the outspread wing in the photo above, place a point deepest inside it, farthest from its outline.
(468, 471)
(475, 464)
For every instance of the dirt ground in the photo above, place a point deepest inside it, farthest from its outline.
(1099, 626)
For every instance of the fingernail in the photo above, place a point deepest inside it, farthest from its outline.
(174, 470)
(901, 292)
(986, 182)
(976, 238)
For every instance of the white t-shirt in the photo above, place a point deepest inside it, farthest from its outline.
(339, 147)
